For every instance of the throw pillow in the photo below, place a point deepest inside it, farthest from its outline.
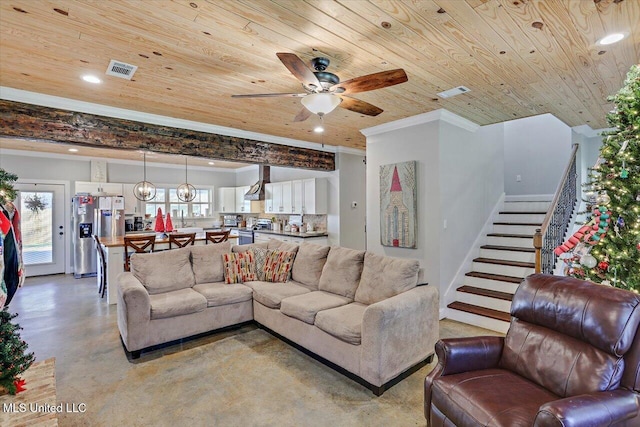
(239, 267)
(277, 266)
(260, 257)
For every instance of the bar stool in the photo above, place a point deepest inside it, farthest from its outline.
(139, 244)
(102, 262)
(182, 239)
(216, 236)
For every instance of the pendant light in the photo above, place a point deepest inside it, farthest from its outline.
(186, 192)
(144, 190)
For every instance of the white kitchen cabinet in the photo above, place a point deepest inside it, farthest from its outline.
(261, 237)
(268, 198)
(242, 205)
(227, 199)
(297, 197)
(131, 204)
(287, 199)
(111, 188)
(315, 196)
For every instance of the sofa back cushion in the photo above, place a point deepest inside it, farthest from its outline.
(569, 335)
(164, 271)
(207, 262)
(309, 263)
(384, 277)
(244, 248)
(341, 273)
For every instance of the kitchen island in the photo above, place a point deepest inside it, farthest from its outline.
(317, 237)
(114, 257)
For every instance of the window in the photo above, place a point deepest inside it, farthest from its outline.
(200, 206)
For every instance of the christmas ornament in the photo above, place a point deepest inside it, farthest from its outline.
(638, 197)
(603, 199)
(159, 228)
(620, 222)
(624, 173)
(603, 265)
(625, 144)
(611, 175)
(606, 283)
(588, 261)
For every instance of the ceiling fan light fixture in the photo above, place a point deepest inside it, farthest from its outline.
(321, 103)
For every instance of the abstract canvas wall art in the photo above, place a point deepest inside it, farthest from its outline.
(398, 205)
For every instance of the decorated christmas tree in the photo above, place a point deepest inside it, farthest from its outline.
(13, 357)
(607, 248)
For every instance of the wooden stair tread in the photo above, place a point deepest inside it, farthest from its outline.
(505, 262)
(480, 311)
(517, 223)
(508, 248)
(522, 213)
(486, 292)
(522, 236)
(491, 276)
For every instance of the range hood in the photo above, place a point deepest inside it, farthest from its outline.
(256, 192)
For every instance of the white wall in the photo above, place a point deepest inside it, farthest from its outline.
(460, 173)
(352, 178)
(528, 143)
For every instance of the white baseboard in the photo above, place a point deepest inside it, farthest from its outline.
(474, 251)
(529, 198)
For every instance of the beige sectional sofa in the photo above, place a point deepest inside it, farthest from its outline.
(363, 314)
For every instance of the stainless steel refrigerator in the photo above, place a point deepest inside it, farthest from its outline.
(99, 215)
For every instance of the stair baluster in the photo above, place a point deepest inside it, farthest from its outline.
(556, 222)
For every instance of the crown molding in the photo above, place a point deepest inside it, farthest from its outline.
(586, 130)
(349, 150)
(431, 116)
(51, 101)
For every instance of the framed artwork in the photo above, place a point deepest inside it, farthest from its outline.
(398, 205)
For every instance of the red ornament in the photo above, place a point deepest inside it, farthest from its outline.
(159, 228)
(638, 246)
(20, 385)
(603, 265)
(168, 224)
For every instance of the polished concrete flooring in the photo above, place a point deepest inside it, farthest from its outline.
(243, 377)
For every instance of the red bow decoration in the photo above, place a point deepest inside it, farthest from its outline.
(20, 385)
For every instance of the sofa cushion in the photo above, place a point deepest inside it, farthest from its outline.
(277, 266)
(163, 271)
(176, 303)
(344, 323)
(305, 307)
(271, 294)
(206, 261)
(238, 267)
(309, 263)
(384, 277)
(223, 294)
(341, 273)
(494, 398)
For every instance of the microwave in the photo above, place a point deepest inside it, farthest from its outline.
(230, 221)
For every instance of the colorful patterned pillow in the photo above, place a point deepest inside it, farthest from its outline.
(239, 267)
(260, 257)
(277, 266)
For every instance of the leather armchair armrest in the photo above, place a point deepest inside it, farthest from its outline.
(594, 409)
(457, 355)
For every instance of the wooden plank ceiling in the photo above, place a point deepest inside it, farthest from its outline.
(519, 57)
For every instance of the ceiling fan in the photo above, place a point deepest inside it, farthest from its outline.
(325, 92)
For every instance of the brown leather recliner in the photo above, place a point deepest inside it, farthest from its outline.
(571, 357)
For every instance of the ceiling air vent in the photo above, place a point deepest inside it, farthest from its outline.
(120, 69)
(453, 92)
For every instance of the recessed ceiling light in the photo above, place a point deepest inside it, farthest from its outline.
(318, 129)
(211, 163)
(73, 150)
(611, 38)
(91, 79)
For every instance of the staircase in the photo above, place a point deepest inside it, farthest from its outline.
(484, 299)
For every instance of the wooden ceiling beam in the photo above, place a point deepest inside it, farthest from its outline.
(34, 122)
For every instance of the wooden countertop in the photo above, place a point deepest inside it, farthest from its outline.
(110, 242)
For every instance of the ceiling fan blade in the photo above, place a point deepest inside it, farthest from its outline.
(303, 115)
(360, 106)
(372, 81)
(271, 95)
(299, 69)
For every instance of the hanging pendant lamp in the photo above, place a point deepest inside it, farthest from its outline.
(186, 192)
(144, 190)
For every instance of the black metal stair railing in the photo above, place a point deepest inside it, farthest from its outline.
(556, 222)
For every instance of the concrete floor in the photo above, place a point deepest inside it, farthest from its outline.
(244, 377)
